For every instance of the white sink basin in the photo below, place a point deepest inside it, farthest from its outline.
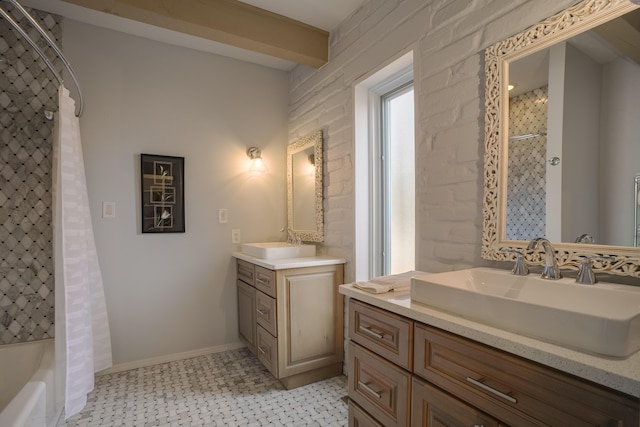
(278, 250)
(603, 318)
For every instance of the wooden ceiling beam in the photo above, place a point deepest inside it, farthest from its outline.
(226, 21)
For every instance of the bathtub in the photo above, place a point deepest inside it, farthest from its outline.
(27, 385)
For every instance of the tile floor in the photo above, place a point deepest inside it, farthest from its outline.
(224, 389)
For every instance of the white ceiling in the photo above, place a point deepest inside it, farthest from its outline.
(324, 14)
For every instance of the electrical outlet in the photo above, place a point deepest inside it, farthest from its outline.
(223, 216)
(235, 236)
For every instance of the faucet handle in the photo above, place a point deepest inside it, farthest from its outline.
(586, 276)
(520, 268)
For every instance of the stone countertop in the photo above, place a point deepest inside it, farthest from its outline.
(285, 263)
(619, 374)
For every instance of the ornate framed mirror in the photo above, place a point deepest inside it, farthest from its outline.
(560, 147)
(305, 214)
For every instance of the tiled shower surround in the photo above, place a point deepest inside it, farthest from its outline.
(27, 87)
(526, 182)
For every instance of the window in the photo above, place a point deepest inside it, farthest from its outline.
(397, 182)
(385, 171)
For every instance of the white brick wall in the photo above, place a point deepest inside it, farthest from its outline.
(449, 38)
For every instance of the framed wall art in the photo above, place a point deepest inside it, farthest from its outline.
(162, 179)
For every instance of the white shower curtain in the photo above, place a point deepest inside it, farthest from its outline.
(82, 328)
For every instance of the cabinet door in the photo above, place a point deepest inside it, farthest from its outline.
(309, 316)
(247, 314)
(431, 407)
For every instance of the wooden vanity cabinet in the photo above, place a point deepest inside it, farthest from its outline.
(458, 382)
(296, 320)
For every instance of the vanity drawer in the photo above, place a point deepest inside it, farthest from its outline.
(266, 313)
(359, 418)
(246, 272)
(387, 334)
(379, 387)
(508, 387)
(265, 281)
(267, 350)
(433, 407)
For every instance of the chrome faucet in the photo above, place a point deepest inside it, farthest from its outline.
(551, 270)
(586, 276)
(520, 268)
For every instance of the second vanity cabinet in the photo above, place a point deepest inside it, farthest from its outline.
(292, 320)
(403, 372)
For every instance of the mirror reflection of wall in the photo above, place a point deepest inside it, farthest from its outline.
(304, 180)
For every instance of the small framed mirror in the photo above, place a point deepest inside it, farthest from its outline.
(305, 214)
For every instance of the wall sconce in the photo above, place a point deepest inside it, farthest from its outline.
(257, 164)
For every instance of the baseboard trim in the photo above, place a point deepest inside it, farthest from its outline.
(121, 367)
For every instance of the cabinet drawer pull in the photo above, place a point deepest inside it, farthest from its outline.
(482, 385)
(262, 312)
(371, 332)
(369, 389)
(262, 281)
(261, 350)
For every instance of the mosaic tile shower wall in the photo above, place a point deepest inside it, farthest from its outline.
(27, 87)
(526, 181)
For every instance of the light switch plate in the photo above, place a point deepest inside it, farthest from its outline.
(223, 216)
(108, 209)
(235, 236)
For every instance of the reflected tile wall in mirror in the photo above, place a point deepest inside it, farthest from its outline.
(527, 166)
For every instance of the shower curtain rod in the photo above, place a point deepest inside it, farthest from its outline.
(39, 51)
(526, 136)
